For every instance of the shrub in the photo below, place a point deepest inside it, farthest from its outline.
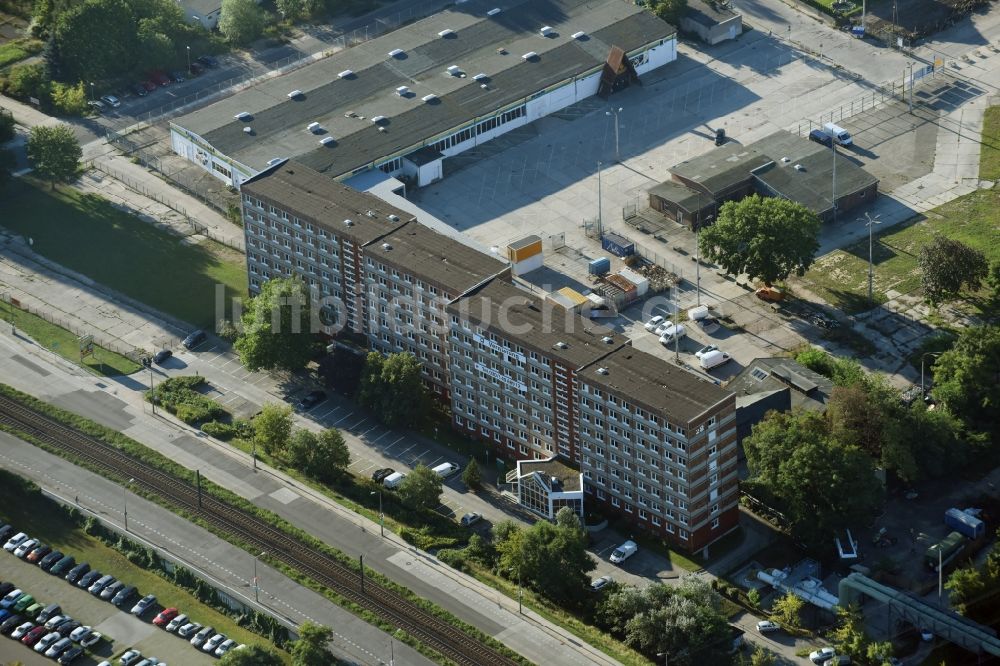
(178, 396)
(223, 431)
(453, 558)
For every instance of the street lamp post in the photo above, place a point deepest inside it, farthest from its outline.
(381, 516)
(152, 390)
(615, 112)
(189, 59)
(520, 591)
(92, 98)
(872, 221)
(256, 583)
(923, 391)
(125, 502)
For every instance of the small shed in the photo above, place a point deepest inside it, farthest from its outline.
(713, 22)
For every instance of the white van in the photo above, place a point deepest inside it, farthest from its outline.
(838, 134)
(393, 480)
(713, 359)
(444, 470)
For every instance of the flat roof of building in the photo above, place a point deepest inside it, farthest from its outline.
(708, 13)
(658, 385)
(568, 478)
(681, 195)
(312, 196)
(537, 324)
(442, 260)
(477, 44)
(722, 167)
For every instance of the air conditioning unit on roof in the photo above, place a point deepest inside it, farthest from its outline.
(579, 35)
(494, 11)
(429, 98)
(345, 74)
(313, 127)
(243, 115)
(396, 52)
(326, 140)
(294, 94)
(479, 77)
(446, 32)
(546, 30)
(402, 91)
(529, 55)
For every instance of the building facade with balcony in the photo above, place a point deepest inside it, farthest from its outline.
(658, 446)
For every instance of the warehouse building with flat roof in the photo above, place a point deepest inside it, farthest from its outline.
(409, 99)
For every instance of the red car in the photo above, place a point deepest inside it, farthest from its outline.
(159, 78)
(34, 635)
(165, 616)
(149, 86)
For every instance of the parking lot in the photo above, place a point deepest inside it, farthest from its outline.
(120, 629)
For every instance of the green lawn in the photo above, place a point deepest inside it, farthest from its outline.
(42, 519)
(19, 49)
(87, 234)
(989, 152)
(65, 343)
(841, 277)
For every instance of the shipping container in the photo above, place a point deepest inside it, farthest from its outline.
(618, 245)
(965, 523)
(600, 266)
(944, 551)
(640, 281)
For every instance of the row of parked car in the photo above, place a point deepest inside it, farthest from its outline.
(51, 632)
(157, 79)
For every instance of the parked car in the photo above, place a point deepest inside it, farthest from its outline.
(197, 68)
(47, 641)
(87, 579)
(111, 101)
(839, 660)
(80, 633)
(143, 605)
(48, 612)
(49, 560)
(600, 583)
(92, 638)
(162, 356)
(224, 647)
(623, 552)
(194, 339)
(820, 656)
(821, 137)
(713, 359)
(11, 623)
(176, 623)
(139, 89)
(11, 598)
(177, 76)
(203, 635)
(22, 630)
(99, 584)
(57, 621)
(767, 627)
(663, 327)
(312, 399)
(58, 647)
(34, 635)
(123, 595)
(654, 322)
(22, 603)
(704, 350)
(378, 476)
(63, 565)
(96, 105)
(5, 589)
(470, 519)
(213, 642)
(110, 591)
(33, 610)
(769, 294)
(672, 334)
(70, 655)
(6, 531)
(130, 657)
(15, 541)
(444, 470)
(77, 572)
(208, 61)
(37, 553)
(67, 628)
(188, 630)
(165, 616)
(25, 548)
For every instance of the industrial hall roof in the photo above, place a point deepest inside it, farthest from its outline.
(459, 65)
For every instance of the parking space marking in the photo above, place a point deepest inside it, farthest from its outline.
(433, 462)
(372, 442)
(416, 459)
(358, 423)
(369, 430)
(343, 419)
(403, 452)
(327, 413)
(401, 438)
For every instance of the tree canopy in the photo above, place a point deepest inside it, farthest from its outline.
(821, 485)
(54, 152)
(684, 622)
(947, 266)
(272, 428)
(392, 388)
(241, 21)
(670, 11)
(967, 377)
(310, 649)
(251, 655)
(421, 488)
(768, 238)
(277, 329)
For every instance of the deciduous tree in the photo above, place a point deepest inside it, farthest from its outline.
(277, 327)
(787, 610)
(54, 152)
(391, 387)
(421, 488)
(768, 238)
(821, 485)
(671, 11)
(241, 21)
(947, 266)
(69, 99)
(967, 377)
(310, 649)
(330, 456)
(272, 428)
(251, 655)
(471, 476)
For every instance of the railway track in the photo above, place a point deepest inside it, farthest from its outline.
(387, 604)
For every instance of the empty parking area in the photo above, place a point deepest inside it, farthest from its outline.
(121, 630)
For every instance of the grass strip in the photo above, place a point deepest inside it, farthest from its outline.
(66, 343)
(163, 463)
(989, 142)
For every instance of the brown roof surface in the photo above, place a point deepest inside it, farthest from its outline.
(313, 196)
(658, 385)
(435, 257)
(536, 323)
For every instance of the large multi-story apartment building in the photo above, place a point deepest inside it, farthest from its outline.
(658, 444)
(533, 381)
